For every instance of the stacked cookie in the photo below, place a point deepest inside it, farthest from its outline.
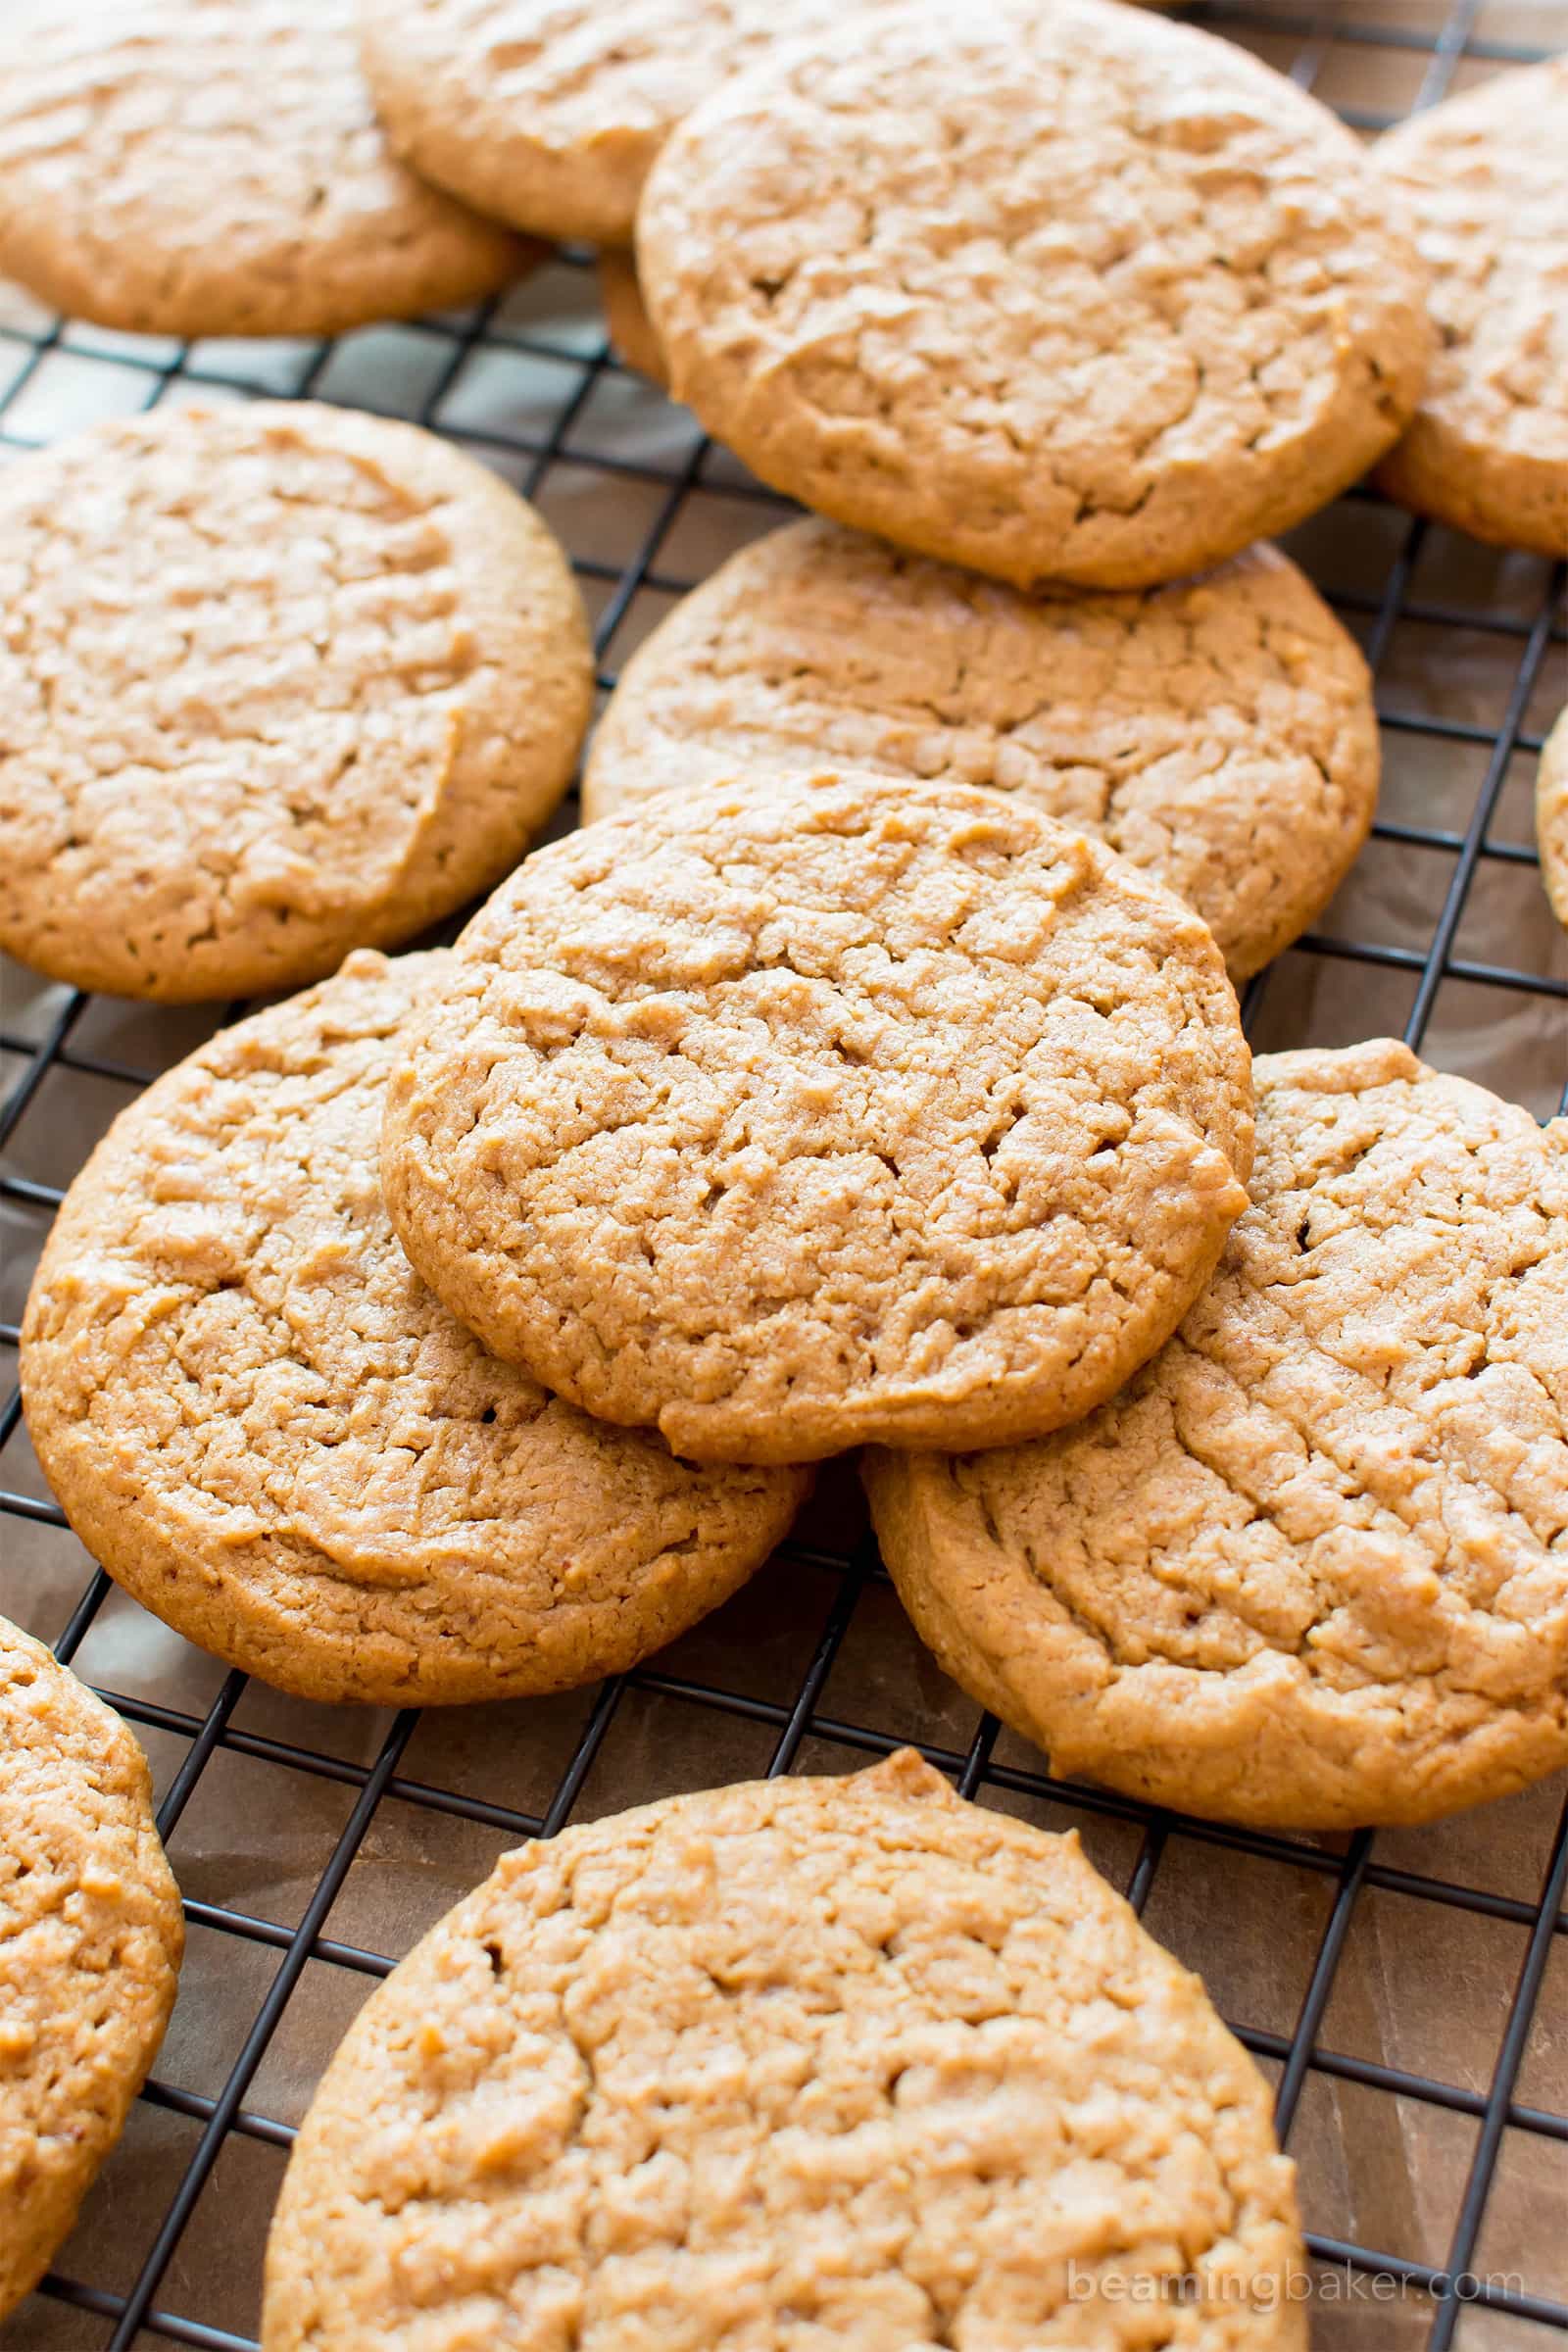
(866, 1074)
(461, 1328)
(1309, 1568)
(1154, 303)
(1217, 732)
(1075, 293)
(264, 1423)
(867, 1077)
(768, 1123)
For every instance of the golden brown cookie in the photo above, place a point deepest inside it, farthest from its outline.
(1219, 733)
(824, 1109)
(797, 2063)
(630, 329)
(275, 681)
(1059, 293)
(1551, 817)
(547, 113)
(266, 1429)
(1311, 1568)
(1483, 177)
(215, 167)
(91, 1934)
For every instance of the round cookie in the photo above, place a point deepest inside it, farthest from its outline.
(547, 113)
(1220, 732)
(266, 1429)
(1483, 177)
(631, 330)
(1059, 293)
(817, 1109)
(1551, 817)
(797, 2063)
(202, 168)
(275, 681)
(91, 1934)
(1311, 1569)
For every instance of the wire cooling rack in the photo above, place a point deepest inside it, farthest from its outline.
(1408, 1994)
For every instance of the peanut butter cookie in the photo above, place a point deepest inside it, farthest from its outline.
(91, 1934)
(547, 113)
(1219, 733)
(1059, 293)
(799, 2063)
(1484, 179)
(822, 1108)
(266, 1429)
(1551, 817)
(627, 316)
(1311, 1569)
(216, 167)
(275, 682)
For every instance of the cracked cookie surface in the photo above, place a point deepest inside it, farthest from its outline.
(1482, 177)
(1219, 732)
(270, 1431)
(91, 1934)
(275, 681)
(819, 1108)
(207, 168)
(1067, 293)
(796, 2063)
(1311, 1568)
(547, 113)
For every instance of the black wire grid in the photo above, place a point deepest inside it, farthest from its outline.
(1447, 2295)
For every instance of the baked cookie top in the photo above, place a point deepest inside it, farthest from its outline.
(798, 2062)
(819, 1109)
(1312, 1567)
(268, 1429)
(91, 1934)
(547, 113)
(202, 168)
(1219, 732)
(1481, 176)
(1064, 292)
(1552, 815)
(275, 681)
